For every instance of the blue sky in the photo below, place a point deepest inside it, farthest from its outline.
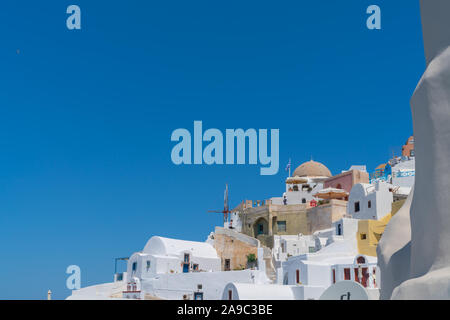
(86, 116)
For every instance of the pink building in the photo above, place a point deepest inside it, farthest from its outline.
(346, 180)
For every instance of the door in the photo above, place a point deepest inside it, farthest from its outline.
(364, 277)
(185, 267)
(227, 266)
(347, 274)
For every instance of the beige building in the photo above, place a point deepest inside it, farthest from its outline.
(266, 219)
(234, 249)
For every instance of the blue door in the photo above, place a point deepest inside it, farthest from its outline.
(185, 268)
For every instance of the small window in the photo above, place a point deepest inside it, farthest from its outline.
(357, 206)
(369, 204)
(334, 275)
(195, 267)
(361, 260)
(186, 258)
(303, 200)
(295, 188)
(148, 265)
(198, 295)
(281, 225)
(134, 266)
(339, 229)
(230, 295)
(297, 276)
(312, 249)
(363, 236)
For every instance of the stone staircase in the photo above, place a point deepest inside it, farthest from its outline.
(270, 269)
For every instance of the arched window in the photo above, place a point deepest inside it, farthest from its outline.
(295, 188)
(361, 260)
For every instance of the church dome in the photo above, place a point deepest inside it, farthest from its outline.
(312, 169)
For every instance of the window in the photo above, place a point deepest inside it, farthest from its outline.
(281, 226)
(195, 267)
(303, 200)
(134, 266)
(260, 228)
(186, 258)
(334, 275)
(148, 265)
(363, 236)
(230, 295)
(297, 276)
(357, 206)
(361, 260)
(312, 249)
(347, 275)
(339, 229)
(198, 295)
(369, 204)
(295, 188)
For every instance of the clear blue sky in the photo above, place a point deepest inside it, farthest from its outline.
(86, 116)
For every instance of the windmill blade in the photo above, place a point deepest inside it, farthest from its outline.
(225, 200)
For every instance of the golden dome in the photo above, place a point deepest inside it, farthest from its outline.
(312, 169)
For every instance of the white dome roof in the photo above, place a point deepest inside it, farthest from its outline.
(173, 247)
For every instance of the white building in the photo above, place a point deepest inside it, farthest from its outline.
(235, 222)
(306, 276)
(370, 201)
(337, 259)
(172, 269)
(285, 246)
(403, 172)
(171, 256)
(305, 182)
(324, 270)
(244, 291)
(177, 269)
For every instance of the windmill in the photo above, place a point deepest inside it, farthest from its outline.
(226, 209)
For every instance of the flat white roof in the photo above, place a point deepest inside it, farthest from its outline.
(250, 291)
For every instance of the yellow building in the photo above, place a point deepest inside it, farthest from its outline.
(370, 231)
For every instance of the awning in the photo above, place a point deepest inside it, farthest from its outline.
(296, 180)
(331, 193)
